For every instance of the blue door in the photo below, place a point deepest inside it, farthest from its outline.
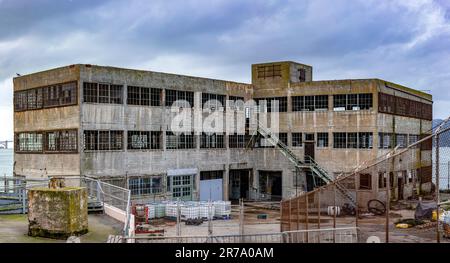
(211, 190)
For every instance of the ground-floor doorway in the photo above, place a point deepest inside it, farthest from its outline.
(270, 185)
(239, 184)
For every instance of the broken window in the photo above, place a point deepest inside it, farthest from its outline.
(405, 107)
(138, 140)
(321, 102)
(237, 140)
(29, 142)
(61, 141)
(322, 139)
(236, 103)
(90, 92)
(182, 98)
(412, 138)
(352, 140)
(343, 102)
(145, 185)
(102, 93)
(309, 136)
(401, 140)
(297, 139)
(46, 97)
(271, 103)
(211, 141)
(365, 181)
(180, 141)
(211, 175)
(144, 96)
(103, 140)
(302, 74)
(298, 103)
(339, 140)
(339, 102)
(365, 101)
(20, 100)
(283, 137)
(385, 140)
(213, 101)
(365, 140)
(269, 71)
(309, 103)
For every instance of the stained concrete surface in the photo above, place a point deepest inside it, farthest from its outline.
(14, 229)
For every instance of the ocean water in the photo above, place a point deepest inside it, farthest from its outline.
(6, 162)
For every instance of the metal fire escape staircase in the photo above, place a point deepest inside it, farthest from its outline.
(310, 164)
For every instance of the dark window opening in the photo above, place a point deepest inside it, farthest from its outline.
(365, 181)
(144, 96)
(213, 101)
(211, 175)
(322, 139)
(179, 98)
(103, 140)
(46, 97)
(297, 140)
(270, 104)
(339, 140)
(211, 141)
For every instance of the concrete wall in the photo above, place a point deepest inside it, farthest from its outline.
(41, 165)
(92, 116)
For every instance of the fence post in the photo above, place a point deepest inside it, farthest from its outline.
(289, 215)
(334, 213)
(438, 236)
(298, 213)
(318, 214)
(306, 217)
(178, 218)
(388, 202)
(24, 200)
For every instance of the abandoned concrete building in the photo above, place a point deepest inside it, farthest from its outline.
(114, 124)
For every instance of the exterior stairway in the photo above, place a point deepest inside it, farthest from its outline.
(309, 162)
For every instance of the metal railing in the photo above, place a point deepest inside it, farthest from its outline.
(109, 194)
(329, 235)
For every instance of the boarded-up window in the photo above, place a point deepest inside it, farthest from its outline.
(269, 71)
(404, 107)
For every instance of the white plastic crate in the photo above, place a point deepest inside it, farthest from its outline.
(171, 210)
(151, 211)
(160, 210)
(222, 208)
(206, 211)
(189, 212)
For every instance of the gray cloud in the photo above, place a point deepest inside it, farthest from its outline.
(401, 41)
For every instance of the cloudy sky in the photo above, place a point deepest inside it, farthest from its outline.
(407, 42)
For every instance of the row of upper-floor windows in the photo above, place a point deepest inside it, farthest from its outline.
(46, 97)
(66, 94)
(100, 140)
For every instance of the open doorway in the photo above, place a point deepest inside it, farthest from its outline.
(270, 185)
(239, 184)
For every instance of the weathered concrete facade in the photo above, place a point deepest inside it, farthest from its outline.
(269, 80)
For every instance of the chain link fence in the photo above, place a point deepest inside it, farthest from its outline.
(380, 192)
